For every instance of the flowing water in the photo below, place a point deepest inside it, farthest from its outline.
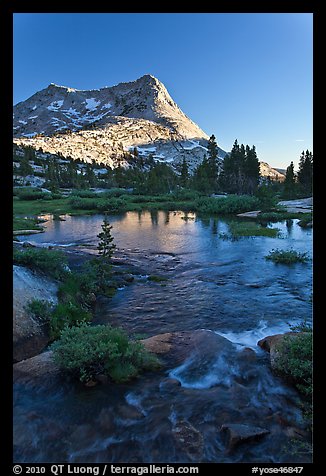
(223, 286)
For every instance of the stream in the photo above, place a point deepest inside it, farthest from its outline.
(222, 286)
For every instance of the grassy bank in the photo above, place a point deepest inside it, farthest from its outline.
(99, 203)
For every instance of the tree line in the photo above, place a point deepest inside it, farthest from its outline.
(237, 173)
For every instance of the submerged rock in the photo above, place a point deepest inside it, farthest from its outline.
(238, 433)
(30, 335)
(188, 439)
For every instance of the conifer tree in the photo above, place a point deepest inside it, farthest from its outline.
(212, 162)
(184, 176)
(289, 182)
(305, 171)
(106, 247)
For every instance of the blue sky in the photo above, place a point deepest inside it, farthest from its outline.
(238, 76)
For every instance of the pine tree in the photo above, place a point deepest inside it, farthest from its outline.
(106, 246)
(306, 171)
(289, 182)
(201, 177)
(90, 176)
(25, 167)
(184, 176)
(241, 171)
(251, 170)
(213, 165)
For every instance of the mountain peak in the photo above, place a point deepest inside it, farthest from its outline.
(57, 86)
(54, 110)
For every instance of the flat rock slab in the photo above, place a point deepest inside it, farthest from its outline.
(252, 214)
(238, 433)
(303, 205)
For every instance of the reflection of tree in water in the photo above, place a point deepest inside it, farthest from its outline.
(289, 226)
(154, 217)
(214, 226)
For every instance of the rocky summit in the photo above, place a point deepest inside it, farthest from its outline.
(102, 124)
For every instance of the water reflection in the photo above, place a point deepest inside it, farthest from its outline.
(224, 286)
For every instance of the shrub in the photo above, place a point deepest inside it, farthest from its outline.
(287, 256)
(40, 309)
(79, 203)
(267, 197)
(229, 205)
(30, 193)
(295, 360)
(114, 192)
(87, 351)
(67, 315)
(51, 262)
(184, 194)
(56, 195)
(249, 228)
(84, 194)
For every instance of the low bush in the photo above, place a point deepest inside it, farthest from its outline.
(79, 203)
(83, 194)
(50, 262)
(30, 193)
(67, 315)
(185, 195)
(87, 351)
(295, 361)
(249, 228)
(26, 224)
(40, 309)
(100, 204)
(229, 205)
(287, 256)
(114, 192)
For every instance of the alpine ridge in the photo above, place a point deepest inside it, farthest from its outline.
(102, 124)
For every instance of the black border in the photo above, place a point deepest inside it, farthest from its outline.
(6, 32)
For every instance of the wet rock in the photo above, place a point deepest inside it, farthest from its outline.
(159, 344)
(27, 244)
(128, 412)
(238, 434)
(270, 341)
(176, 347)
(272, 345)
(30, 335)
(81, 436)
(252, 214)
(40, 369)
(189, 439)
(102, 378)
(296, 433)
(105, 419)
(169, 384)
(248, 355)
(90, 383)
